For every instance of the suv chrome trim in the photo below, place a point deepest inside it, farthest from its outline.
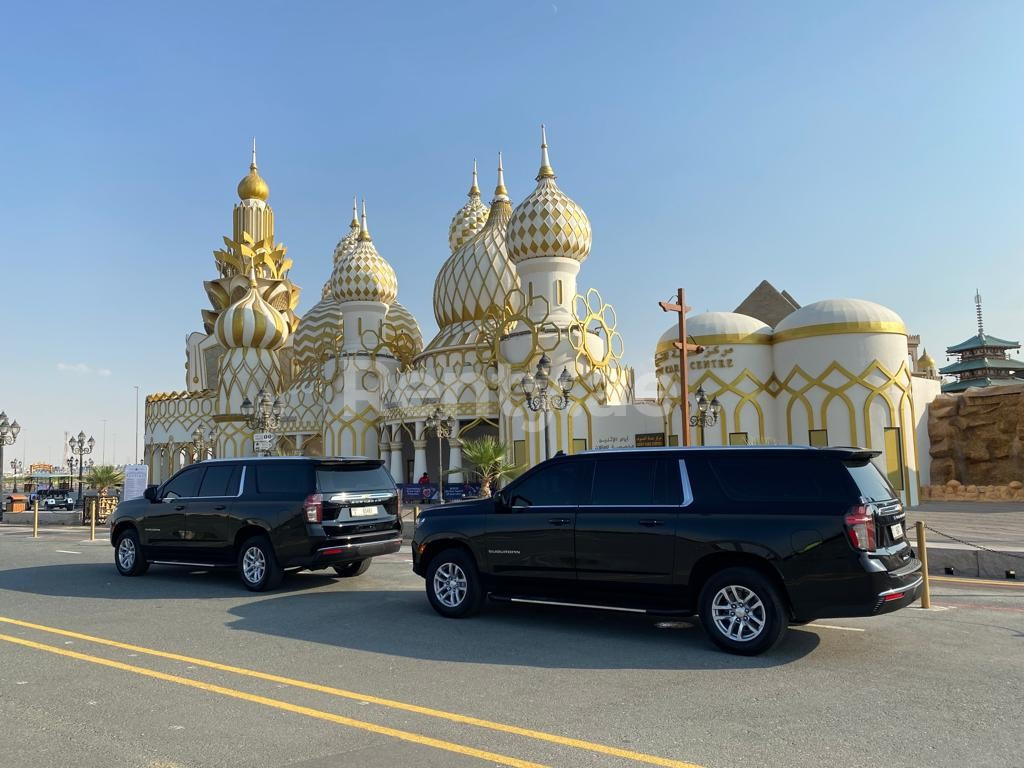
(360, 544)
(533, 601)
(190, 563)
(684, 475)
(241, 486)
(904, 588)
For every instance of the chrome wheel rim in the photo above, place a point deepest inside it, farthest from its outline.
(450, 585)
(126, 553)
(738, 613)
(254, 565)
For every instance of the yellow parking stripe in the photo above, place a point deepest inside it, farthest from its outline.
(984, 582)
(589, 746)
(415, 738)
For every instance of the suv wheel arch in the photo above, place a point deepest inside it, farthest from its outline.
(711, 564)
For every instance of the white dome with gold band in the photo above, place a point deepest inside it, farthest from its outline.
(548, 222)
(479, 275)
(469, 219)
(362, 274)
(251, 322)
(837, 316)
(712, 328)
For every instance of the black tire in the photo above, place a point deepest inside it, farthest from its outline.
(128, 557)
(356, 568)
(751, 617)
(257, 565)
(453, 584)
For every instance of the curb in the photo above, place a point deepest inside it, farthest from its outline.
(978, 563)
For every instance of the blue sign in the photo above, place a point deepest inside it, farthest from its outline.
(426, 493)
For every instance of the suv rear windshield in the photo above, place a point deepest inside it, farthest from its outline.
(870, 482)
(353, 476)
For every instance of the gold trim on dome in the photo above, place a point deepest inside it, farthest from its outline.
(717, 338)
(835, 329)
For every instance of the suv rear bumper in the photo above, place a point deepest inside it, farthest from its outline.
(341, 553)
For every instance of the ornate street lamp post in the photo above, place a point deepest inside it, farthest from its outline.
(444, 426)
(706, 415)
(17, 467)
(8, 434)
(535, 388)
(203, 442)
(80, 447)
(262, 416)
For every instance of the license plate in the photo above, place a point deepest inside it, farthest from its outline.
(896, 530)
(363, 511)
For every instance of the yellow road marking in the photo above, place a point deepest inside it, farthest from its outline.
(464, 719)
(415, 738)
(985, 582)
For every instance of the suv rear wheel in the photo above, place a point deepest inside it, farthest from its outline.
(257, 564)
(453, 584)
(741, 611)
(357, 568)
(128, 554)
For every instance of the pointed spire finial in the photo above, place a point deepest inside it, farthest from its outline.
(474, 191)
(977, 307)
(355, 213)
(253, 165)
(500, 191)
(546, 171)
(364, 232)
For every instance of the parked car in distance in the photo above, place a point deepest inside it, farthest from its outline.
(262, 516)
(750, 539)
(53, 500)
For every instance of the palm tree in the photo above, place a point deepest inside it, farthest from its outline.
(487, 460)
(103, 478)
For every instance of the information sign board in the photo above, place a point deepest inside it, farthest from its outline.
(136, 478)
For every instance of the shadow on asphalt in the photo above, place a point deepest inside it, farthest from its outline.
(402, 623)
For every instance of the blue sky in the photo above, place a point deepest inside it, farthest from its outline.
(873, 150)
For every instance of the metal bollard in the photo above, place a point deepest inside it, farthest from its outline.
(35, 519)
(922, 554)
(415, 514)
(92, 522)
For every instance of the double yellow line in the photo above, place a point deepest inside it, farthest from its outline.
(327, 716)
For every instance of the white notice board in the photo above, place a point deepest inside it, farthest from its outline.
(136, 478)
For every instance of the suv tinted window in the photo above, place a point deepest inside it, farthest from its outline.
(353, 476)
(221, 480)
(872, 484)
(668, 487)
(184, 485)
(771, 478)
(624, 481)
(288, 478)
(566, 483)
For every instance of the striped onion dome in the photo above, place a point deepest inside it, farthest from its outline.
(548, 223)
(319, 331)
(350, 239)
(251, 322)
(469, 219)
(479, 275)
(400, 325)
(362, 274)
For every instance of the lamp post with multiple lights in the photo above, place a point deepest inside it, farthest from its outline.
(444, 426)
(203, 442)
(535, 389)
(706, 415)
(8, 434)
(80, 447)
(17, 467)
(262, 416)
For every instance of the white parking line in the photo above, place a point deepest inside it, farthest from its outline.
(67, 552)
(833, 626)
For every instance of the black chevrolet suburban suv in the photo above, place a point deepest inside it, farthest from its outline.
(262, 516)
(751, 539)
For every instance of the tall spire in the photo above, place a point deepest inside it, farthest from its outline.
(474, 191)
(253, 166)
(499, 191)
(977, 309)
(546, 171)
(355, 213)
(364, 233)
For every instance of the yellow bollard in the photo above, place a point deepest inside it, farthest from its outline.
(415, 514)
(922, 554)
(92, 523)
(35, 519)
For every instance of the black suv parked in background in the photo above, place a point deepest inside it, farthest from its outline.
(751, 539)
(263, 516)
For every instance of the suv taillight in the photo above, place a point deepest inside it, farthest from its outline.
(313, 506)
(860, 527)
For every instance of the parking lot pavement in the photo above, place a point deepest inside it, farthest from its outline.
(186, 668)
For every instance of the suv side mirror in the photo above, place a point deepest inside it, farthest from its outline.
(151, 493)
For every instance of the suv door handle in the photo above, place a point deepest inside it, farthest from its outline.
(219, 507)
(559, 520)
(651, 523)
(179, 508)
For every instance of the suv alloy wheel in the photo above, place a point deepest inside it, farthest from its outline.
(453, 584)
(128, 554)
(257, 564)
(741, 611)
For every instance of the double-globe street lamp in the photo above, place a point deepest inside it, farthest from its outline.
(203, 442)
(80, 446)
(262, 416)
(535, 388)
(17, 467)
(8, 434)
(444, 426)
(706, 415)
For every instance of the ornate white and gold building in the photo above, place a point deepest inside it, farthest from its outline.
(355, 377)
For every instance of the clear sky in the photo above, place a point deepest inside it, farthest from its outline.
(872, 150)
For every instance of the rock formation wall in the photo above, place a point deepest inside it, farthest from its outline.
(977, 437)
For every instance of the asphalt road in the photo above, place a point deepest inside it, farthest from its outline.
(180, 668)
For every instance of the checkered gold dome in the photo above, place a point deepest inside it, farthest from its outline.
(479, 275)
(351, 238)
(469, 219)
(362, 274)
(319, 332)
(548, 222)
(251, 322)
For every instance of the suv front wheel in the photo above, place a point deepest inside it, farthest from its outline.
(453, 584)
(741, 611)
(128, 554)
(257, 564)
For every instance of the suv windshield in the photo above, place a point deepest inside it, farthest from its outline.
(353, 476)
(870, 482)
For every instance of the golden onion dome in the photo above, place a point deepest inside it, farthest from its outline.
(401, 331)
(548, 223)
(251, 322)
(926, 362)
(479, 275)
(319, 332)
(469, 219)
(362, 274)
(252, 186)
(351, 238)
